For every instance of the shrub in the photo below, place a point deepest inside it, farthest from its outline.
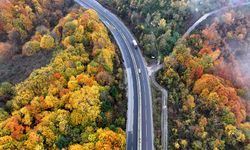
(47, 42)
(30, 48)
(6, 88)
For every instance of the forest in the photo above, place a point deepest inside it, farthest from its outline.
(158, 24)
(76, 100)
(62, 78)
(207, 76)
(19, 20)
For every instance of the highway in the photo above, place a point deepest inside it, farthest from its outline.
(139, 115)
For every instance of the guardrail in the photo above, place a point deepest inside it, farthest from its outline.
(164, 112)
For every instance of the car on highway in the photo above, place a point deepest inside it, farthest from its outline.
(134, 43)
(139, 71)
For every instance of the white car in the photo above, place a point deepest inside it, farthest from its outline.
(134, 43)
(139, 71)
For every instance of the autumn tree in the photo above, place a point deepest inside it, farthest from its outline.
(47, 42)
(60, 105)
(30, 48)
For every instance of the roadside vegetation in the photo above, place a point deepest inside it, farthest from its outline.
(77, 101)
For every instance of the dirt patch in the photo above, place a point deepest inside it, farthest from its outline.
(19, 67)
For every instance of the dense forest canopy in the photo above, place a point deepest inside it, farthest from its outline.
(208, 82)
(74, 96)
(75, 102)
(159, 23)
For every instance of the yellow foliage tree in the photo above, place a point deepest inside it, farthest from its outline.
(47, 42)
(85, 104)
(76, 147)
(109, 140)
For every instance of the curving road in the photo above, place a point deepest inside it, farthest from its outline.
(164, 110)
(139, 115)
(205, 16)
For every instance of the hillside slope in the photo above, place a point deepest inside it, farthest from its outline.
(77, 100)
(207, 77)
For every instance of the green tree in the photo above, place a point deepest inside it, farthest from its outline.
(30, 48)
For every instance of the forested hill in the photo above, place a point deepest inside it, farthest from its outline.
(19, 20)
(207, 77)
(75, 102)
